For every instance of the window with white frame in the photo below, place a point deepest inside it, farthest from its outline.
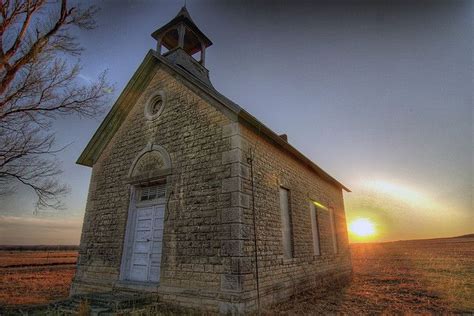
(286, 223)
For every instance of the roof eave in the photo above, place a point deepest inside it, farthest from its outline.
(98, 141)
(250, 119)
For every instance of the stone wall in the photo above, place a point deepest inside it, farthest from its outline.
(279, 278)
(208, 253)
(191, 131)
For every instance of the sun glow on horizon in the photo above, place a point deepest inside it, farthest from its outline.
(409, 195)
(362, 228)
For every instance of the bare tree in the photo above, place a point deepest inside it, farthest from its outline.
(38, 85)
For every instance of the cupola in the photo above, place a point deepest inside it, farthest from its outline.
(182, 40)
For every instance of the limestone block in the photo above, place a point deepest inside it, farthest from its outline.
(240, 199)
(232, 215)
(233, 155)
(231, 282)
(231, 184)
(230, 129)
(232, 248)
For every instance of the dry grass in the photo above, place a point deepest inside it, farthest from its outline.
(412, 277)
(421, 277)
(35, 277)
(12, 259)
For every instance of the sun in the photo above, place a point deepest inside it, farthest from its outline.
(362, 227)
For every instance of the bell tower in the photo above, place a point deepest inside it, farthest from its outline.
(183, 40)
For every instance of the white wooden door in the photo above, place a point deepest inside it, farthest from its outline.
(157, 243)
(147, 244)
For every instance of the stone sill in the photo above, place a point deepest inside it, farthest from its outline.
(137, 286)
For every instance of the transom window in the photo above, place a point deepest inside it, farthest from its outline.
(152, 193)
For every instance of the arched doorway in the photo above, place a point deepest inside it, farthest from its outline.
(143, 244)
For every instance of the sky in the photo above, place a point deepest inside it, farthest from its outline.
(378, 94)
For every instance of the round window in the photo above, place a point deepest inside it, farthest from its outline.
(155, 106)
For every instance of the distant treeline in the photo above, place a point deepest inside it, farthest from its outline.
(38, 247)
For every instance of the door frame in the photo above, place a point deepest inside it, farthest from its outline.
(127, 246)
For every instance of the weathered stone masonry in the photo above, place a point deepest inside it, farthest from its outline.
(212, 148)
(191, 131)
(280, 277)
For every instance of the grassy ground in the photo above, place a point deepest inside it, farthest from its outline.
(35, 277)
(17, 259)
(422, 277)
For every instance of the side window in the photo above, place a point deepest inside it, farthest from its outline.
(286, 223)
(333, 229)
(315, 228)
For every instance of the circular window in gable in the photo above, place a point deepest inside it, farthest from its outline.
(155, 105)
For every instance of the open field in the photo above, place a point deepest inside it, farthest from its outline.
(419, 276)
(424, 276)
(17, 259)
(35, 277)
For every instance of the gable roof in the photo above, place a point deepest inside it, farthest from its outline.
(118, 112)
(137, 85)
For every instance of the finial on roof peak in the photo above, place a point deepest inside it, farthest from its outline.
(184, 12)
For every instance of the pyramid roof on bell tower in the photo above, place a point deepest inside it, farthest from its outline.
(183, 17)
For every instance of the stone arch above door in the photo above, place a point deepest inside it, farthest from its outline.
(151, 160)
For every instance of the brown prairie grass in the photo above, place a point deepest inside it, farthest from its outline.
(35, 277)
(407, 277)
(12, 259)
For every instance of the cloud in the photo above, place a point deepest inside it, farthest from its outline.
(17, 230)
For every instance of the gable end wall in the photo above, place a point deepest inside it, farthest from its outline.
(196, 269)
(208, 260)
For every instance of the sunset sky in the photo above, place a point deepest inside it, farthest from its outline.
(378, 94)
